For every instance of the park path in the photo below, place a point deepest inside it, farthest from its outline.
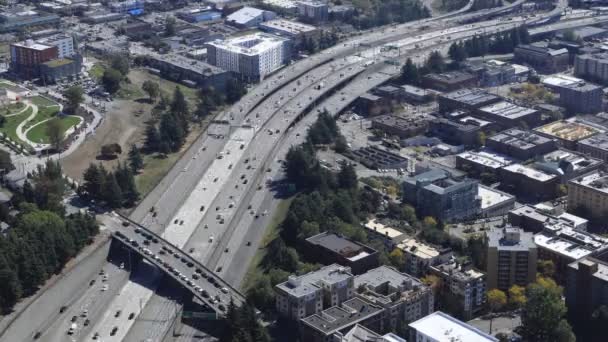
(19, 129)
(19, 112)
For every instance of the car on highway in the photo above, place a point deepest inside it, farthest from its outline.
(117, 314)
(113, 332)
(104, 287)
(131, 316)
(74, 318)
(96, 336)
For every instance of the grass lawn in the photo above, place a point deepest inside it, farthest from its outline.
(43, 114)
(129, 91)
(42, 101)
(155, 169)
(272, 231)
(38, 133)
(12, 108)
(97, 71)
(10, 126)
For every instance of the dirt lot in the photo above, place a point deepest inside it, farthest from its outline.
(125, 124)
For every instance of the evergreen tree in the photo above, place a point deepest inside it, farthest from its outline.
(126, 182)
(347, 178)
(234, 90)
(112, 193)
(10, 288)
(435, 62)
(179, 107)
(152, 142)
(457, 52)
(171, 132)
(93, 181)
(136, 162)
(409, 73)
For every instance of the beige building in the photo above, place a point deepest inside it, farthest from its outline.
(589, 194)
(419, 256)
(463, 286)
(511, 258)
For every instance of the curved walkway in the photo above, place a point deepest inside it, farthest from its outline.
(19, 112)
(19, 129)
(41, 145)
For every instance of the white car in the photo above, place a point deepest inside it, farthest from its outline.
(105, 287)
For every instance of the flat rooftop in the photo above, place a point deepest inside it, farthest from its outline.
(599, 141)
(311, 282)
(340, 245)
(336, 318)
(292, 27)
(499, 237)
(30, 44)
(487, 158)
(452, 77)
(402, 122)
(529, 172)
(442, 327)
(418, 248)
(507, 110)
(458, 272)
(491, 197)
(382, 275)
(379, 228)
(569, 242)
(560, 80)
(567, 130)
(472, 97)
(520, 139)
(250, 45)
(597, 180)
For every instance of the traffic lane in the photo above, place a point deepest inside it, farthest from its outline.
(129, 301)
(45, 309)
(93, 301)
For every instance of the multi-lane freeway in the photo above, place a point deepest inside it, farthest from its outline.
(215, 202)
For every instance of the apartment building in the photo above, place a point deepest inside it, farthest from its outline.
(463, 285)
(589, 194)
(511, 258)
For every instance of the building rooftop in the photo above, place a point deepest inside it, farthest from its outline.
(459, 272)
(491, 197)
(529, 172)
(567, 130)
(572, 243)
(30, 44)
(379, 276)
(600, 259)
(438, 181)
(487, 158)
(244, 15)
(472, 97)
(441, 327)
(507, 110)
(198, 67)
(560, 80)
(309, 283)
(58, 62)
(584, 86)
(292, 27)
(337, 318)
(349, 249)
(471, 120)
(451, 77)
(379, 228)
(402, 122)
(598, 141)
(519, 139)
(510, 238)
(563, 162)
(251, 45)
(597, 180)
(419, 249)
(287, 4)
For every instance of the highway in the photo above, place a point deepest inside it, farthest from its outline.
(201, 179)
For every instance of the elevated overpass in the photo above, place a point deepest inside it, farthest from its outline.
(187, 271)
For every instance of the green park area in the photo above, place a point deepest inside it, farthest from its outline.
(39, 133)
(9, 128)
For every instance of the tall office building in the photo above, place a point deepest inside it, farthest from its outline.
(511, 258)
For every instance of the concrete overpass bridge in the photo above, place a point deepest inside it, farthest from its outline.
(203, 283)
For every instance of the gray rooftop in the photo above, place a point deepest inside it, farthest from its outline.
(340, 245)
(473, 96)
(311, 282)
(520, 139)
(337, 318)
(599, 141)
(510, 239)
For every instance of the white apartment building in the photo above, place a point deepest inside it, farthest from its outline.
(252, 56)
(63, 42)
(439, 327)
(302, 296)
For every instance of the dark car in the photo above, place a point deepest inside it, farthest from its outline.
(113, 332)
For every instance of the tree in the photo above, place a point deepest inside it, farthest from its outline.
(126, 182)
(94, 180)
(6, 164)
(457, 52)
(429, 222)
(54, 131)
(543, 315)
(481, 138)
(569, 36)
(347, 177)
(152, 89)
(435, 62)
(170, 24)
(409, 73)
(546, 268)
(497, 299)
(152, 142)
(74, 97)
(111, 80)
(234, 90)
(397, 259)
(112, 193)
(136, 162)
(179, 108)
(171, 132)
(109, 151)
(10, 289)
(120, 63)
(517, 297)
